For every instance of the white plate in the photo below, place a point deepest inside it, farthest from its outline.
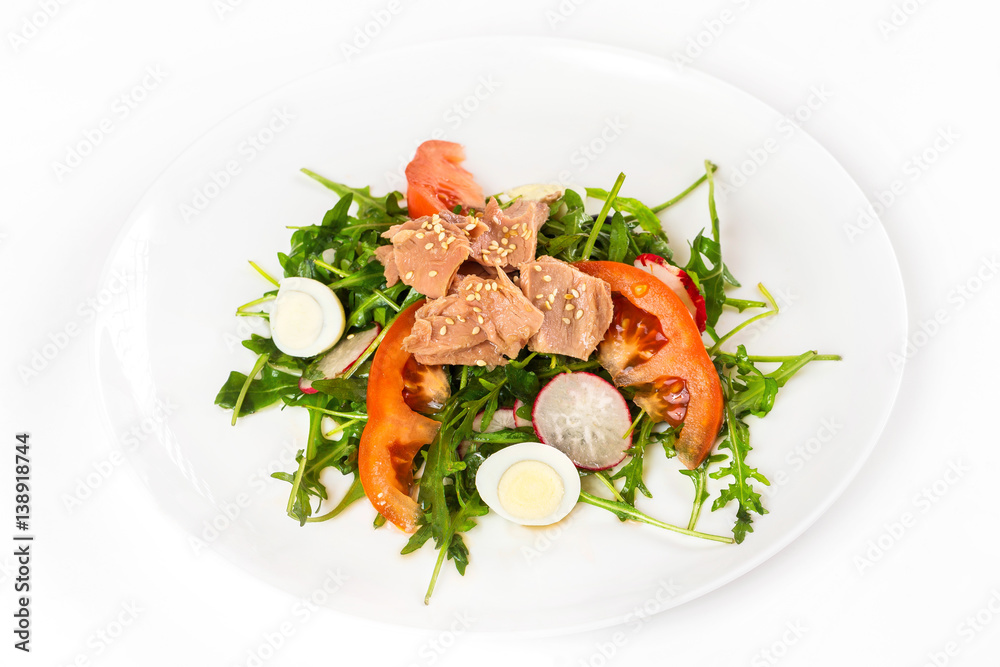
(527, 111)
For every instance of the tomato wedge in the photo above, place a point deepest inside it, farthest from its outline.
(394, 433)
(435, 180)
(658, 365)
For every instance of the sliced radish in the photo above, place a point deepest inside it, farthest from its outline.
(520, 421)
(340, 358)
(502, 418)
(585, 417)
(677, 280)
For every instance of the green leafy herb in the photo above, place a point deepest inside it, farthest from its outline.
(340, 252)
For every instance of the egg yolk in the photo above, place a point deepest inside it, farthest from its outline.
(530, 490)
(302, 310)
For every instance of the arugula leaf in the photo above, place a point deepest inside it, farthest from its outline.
(705, 265)
(522, 383)
(261, 345)
(699, 477)
(265, 391)
(648, 221)
(756, 391)
(632, 471)
(741, 488)
(353, 389)
(618, 243)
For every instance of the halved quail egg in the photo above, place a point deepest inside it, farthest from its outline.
(529, 483)
(307, 317)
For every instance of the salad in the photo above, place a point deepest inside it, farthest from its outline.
(459, 354)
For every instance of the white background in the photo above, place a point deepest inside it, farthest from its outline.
(899, 74)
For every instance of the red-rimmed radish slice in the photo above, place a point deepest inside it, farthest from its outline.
(520, 421)
(502, 418)
(679, 282)
(340, 358)
(584, 417)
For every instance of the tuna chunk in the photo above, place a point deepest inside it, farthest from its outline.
(511, 234)
(577, 307)
(384, 254)
(479, 323)
(448, 331)
(510, 317)
(426, 254)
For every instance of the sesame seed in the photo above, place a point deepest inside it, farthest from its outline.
(469, 227)
(568, 296)
(478, 296)
(475, 330)
(548, 306)
(428, 246)
(547, 279)
(494, 245)
(477, 310)
(565, 320)
(470, 297)
(479, 286)
(480, 362)
(506, 229)
(512, 245)
(552, 297)
(579, 314)
(479, 317)
(539, 296)
(494, 286)
(460, 318)
(448, 320)
(443, 331)
(503, 241)
(350, 336)
(432, 273)
(435, 218)
(574, 293)
(451, 239)
(420, 235)
(537, 268)
(569, 306)
(441, 236)
(409, 274)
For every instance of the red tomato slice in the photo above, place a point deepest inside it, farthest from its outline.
(394, 433)
(635, 353)
(436, 181)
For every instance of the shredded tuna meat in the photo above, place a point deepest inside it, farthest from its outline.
(577, 308)
(510, 235)
(425, 254)
(479, 323)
